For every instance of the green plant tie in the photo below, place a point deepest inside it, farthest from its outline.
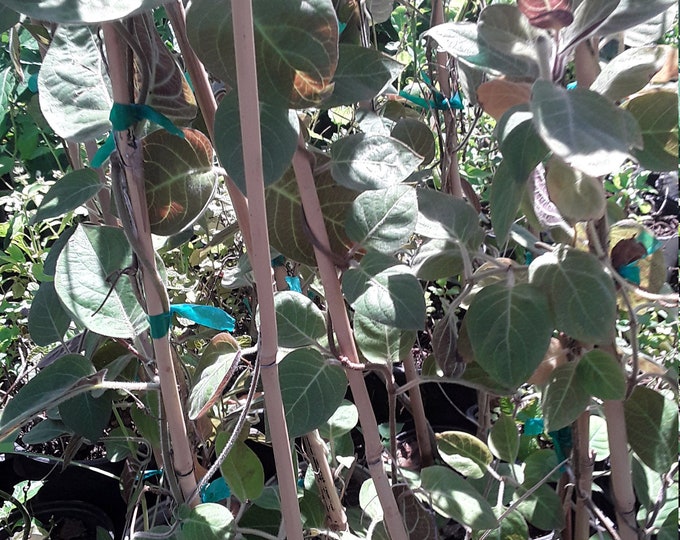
(534, 426)
(439, 101)
(209, 316)
(126, 115)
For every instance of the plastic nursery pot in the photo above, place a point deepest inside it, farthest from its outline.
(68, 520)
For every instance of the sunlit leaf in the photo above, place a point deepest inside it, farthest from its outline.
(504, 438)
(92, 257)
(464, 452)
(75, 97)
(578, 196)
(207, 521)
(299, 321)
(498, 95)
(381, 343)
(68, 193)
(601, 375)
(242, 469)
(343, 420)
(453, 497)
(584, 128)
(582, 296)
(383, 219)
(442, 216)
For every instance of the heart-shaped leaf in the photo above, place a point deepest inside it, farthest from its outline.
(288, 232)
(279, 128)
(582, 296)
(601, 375)
(383, 219)
(47, 319)
(453, 497)
(75, 97)
(657, 113)
(504, 438)
(207, 521)
(652, 427)
(436, 259)
(386, 292)
(416, 135)
(584, 128)
(344, 419)
(299, 322)
(543, 508)
(296, 44)
(509, 329)
(311, 390)
(464, 452)
(86, 268)
(68, 193)
(87, 415)
(242, 469)
(380, 343)
(362, 162)
(565, 397)
(179, 179)
(578, 197)
(362, 74)
(445, 217)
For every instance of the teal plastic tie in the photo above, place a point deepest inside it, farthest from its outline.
(294, 283)
(534, 426)
(209, 316)
(125, 115)
(563, 443)
(215, 491)
(631, 271)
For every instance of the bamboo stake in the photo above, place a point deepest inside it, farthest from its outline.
(157, 301)
(336, 308)
(249, 110)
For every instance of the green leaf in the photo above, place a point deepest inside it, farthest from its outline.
(80, 11)
(363, 162)
(599, 438)
(543, 509)
(601, 375)
(510, 330)
(657, 113)
(342, 421)
(442, 216)
(565, 397)
(92, 254)
(44, 390)
(416, 135)
(578, 197)
(538, 465)
(629, 13)
(445, 345)
(503, 41)
(581, 294)
(369, 502)
(504, 439)
(384, 291)
(75, 97)
(588, 16)
(513, 527)
(584, 128)
(630, 71)
(296, 46)
(380, 343)
(288, 233)
(146, 419)
(652, 427)
(279, 129)
(242, 469)
(207, 521)
(87, 415)
(299, 321)
(436, 259)
(464, 452)
(211, 374)
(47, 318)
(523, 150)
(454, 498)
(311, 389)
(179, 179)
(417, 519)
(8, 18)
(383, 219)
(44, 431)
(68, 193)
(362, 74)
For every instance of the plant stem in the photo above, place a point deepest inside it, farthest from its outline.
(249, 110)
(583, 471)
(157, 301)
(418, 412)
(338, 314)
